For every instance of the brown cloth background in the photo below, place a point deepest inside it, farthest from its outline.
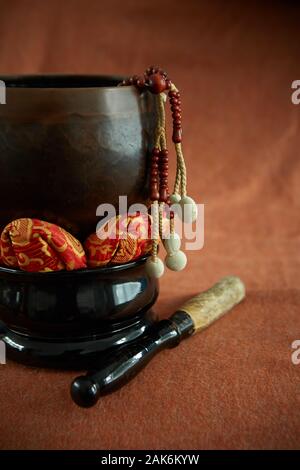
(234, 386)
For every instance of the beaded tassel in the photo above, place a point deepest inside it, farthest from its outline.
(188, 206)
(154, 265)
(175, 259)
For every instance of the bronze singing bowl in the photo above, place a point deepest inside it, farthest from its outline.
(70, 143)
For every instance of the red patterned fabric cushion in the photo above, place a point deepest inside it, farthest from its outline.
(37, 246)
(120, 240)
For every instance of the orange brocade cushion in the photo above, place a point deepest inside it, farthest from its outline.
(37, 246)
(120, 240)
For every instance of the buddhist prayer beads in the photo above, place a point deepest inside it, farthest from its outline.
(156, 81)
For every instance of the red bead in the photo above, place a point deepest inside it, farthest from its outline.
(163, 196)
(157, 83)
(175, 108)
(168, 84)
(171, 214)
(149, 69)
(154, 194)
(162, 72)
(155, 151)
(176, 115)
(164, 152)
(172, 94)
(176, 137)
(141, 82)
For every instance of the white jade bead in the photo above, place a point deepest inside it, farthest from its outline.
(176, 261)
(189, 209)
(155, 268)
(173, 243)
(175, 198)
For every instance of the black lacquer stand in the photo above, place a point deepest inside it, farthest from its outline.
(72, 319)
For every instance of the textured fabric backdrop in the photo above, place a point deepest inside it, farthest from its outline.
(233, 386)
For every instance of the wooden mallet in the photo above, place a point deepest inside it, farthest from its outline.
(194, 316)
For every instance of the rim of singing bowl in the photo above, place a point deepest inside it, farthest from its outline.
(75, 273)
(61, 81)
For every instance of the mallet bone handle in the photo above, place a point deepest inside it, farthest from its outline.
(195, 315)
(206, 307)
